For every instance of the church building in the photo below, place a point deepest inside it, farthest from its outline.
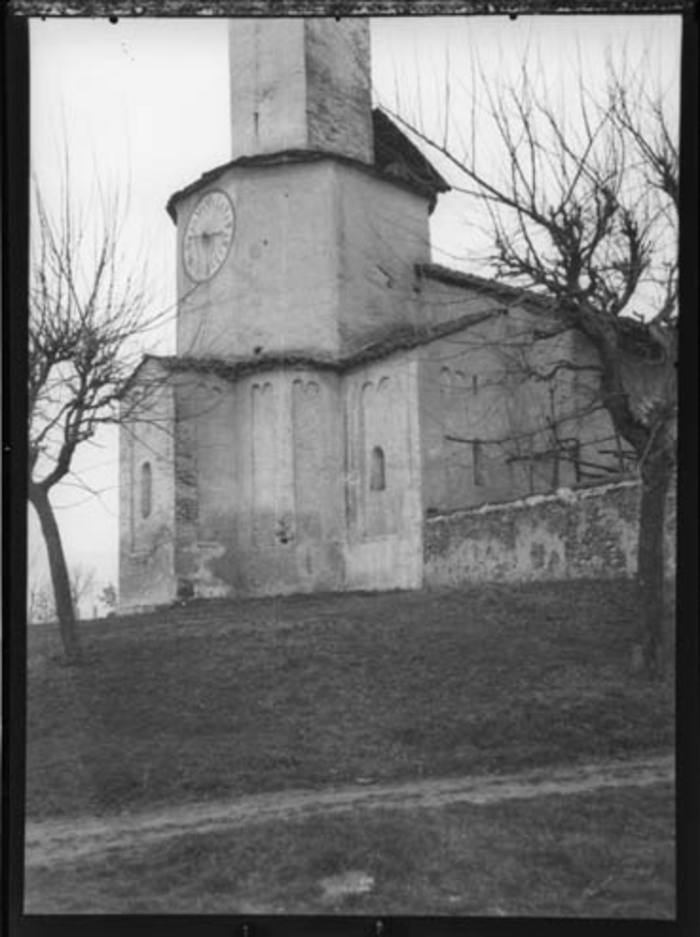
(332, 387)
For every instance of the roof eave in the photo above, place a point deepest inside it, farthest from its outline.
(516, 295)
(429, 191)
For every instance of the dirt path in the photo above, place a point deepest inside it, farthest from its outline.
(65, 840)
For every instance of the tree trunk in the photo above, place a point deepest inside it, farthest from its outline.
(651, 649)
(60, 580)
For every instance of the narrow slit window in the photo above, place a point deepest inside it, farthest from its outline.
(146, 489)
(377, 472)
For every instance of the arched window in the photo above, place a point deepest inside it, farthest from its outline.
(377, 471)
(146, 489)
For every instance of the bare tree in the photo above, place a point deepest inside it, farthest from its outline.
(581, 205)
(82, 581)
(88, 307)
(41, 605)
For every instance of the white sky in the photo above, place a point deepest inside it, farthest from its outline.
(145, 104)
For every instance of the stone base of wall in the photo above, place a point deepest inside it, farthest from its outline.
(572, 534)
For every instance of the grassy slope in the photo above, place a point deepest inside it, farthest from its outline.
(606, 854)
(221, 698)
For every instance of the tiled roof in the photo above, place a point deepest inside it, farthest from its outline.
(514, 295)
(404, 339)
(635, 336)
(396, 156)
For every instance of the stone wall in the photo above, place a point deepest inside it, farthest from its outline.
(572, 534)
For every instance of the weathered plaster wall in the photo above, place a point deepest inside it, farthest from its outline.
(300, 84)
(277, 289)
(338, 87)
(292, 492)
(147, 544)
(273, 489)
(587, 532)
(481, 385)
(270, 483)
(480, 411)
(268, 86)
(318, 473)
(383, 524)
(442, 302)
(382, 232)
(321, 262)
(264, 513)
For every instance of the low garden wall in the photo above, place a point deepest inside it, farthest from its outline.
(572, 534)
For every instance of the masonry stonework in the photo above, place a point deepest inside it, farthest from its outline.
(570, 534)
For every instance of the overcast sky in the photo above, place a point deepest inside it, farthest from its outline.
(145, 104)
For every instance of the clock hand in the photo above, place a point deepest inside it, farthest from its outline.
(207, 234)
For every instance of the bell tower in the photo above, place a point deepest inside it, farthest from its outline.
(295, 267)
(299, 245)
(300, 84)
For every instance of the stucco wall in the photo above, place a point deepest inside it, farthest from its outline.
(338, 79)
(382, 231)
(491, 424)
(292, 482)
(268, 86)
(481, 412)
(261, 511)
(270, 487)
(441, 301)
(321, 262)
(383, 525)
(289, 453)
(147, 544)
(300, 84)
(277, 288)
(587, 532)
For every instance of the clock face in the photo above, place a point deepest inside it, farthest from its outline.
(208, 235)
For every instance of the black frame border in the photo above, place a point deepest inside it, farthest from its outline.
(15, 257)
